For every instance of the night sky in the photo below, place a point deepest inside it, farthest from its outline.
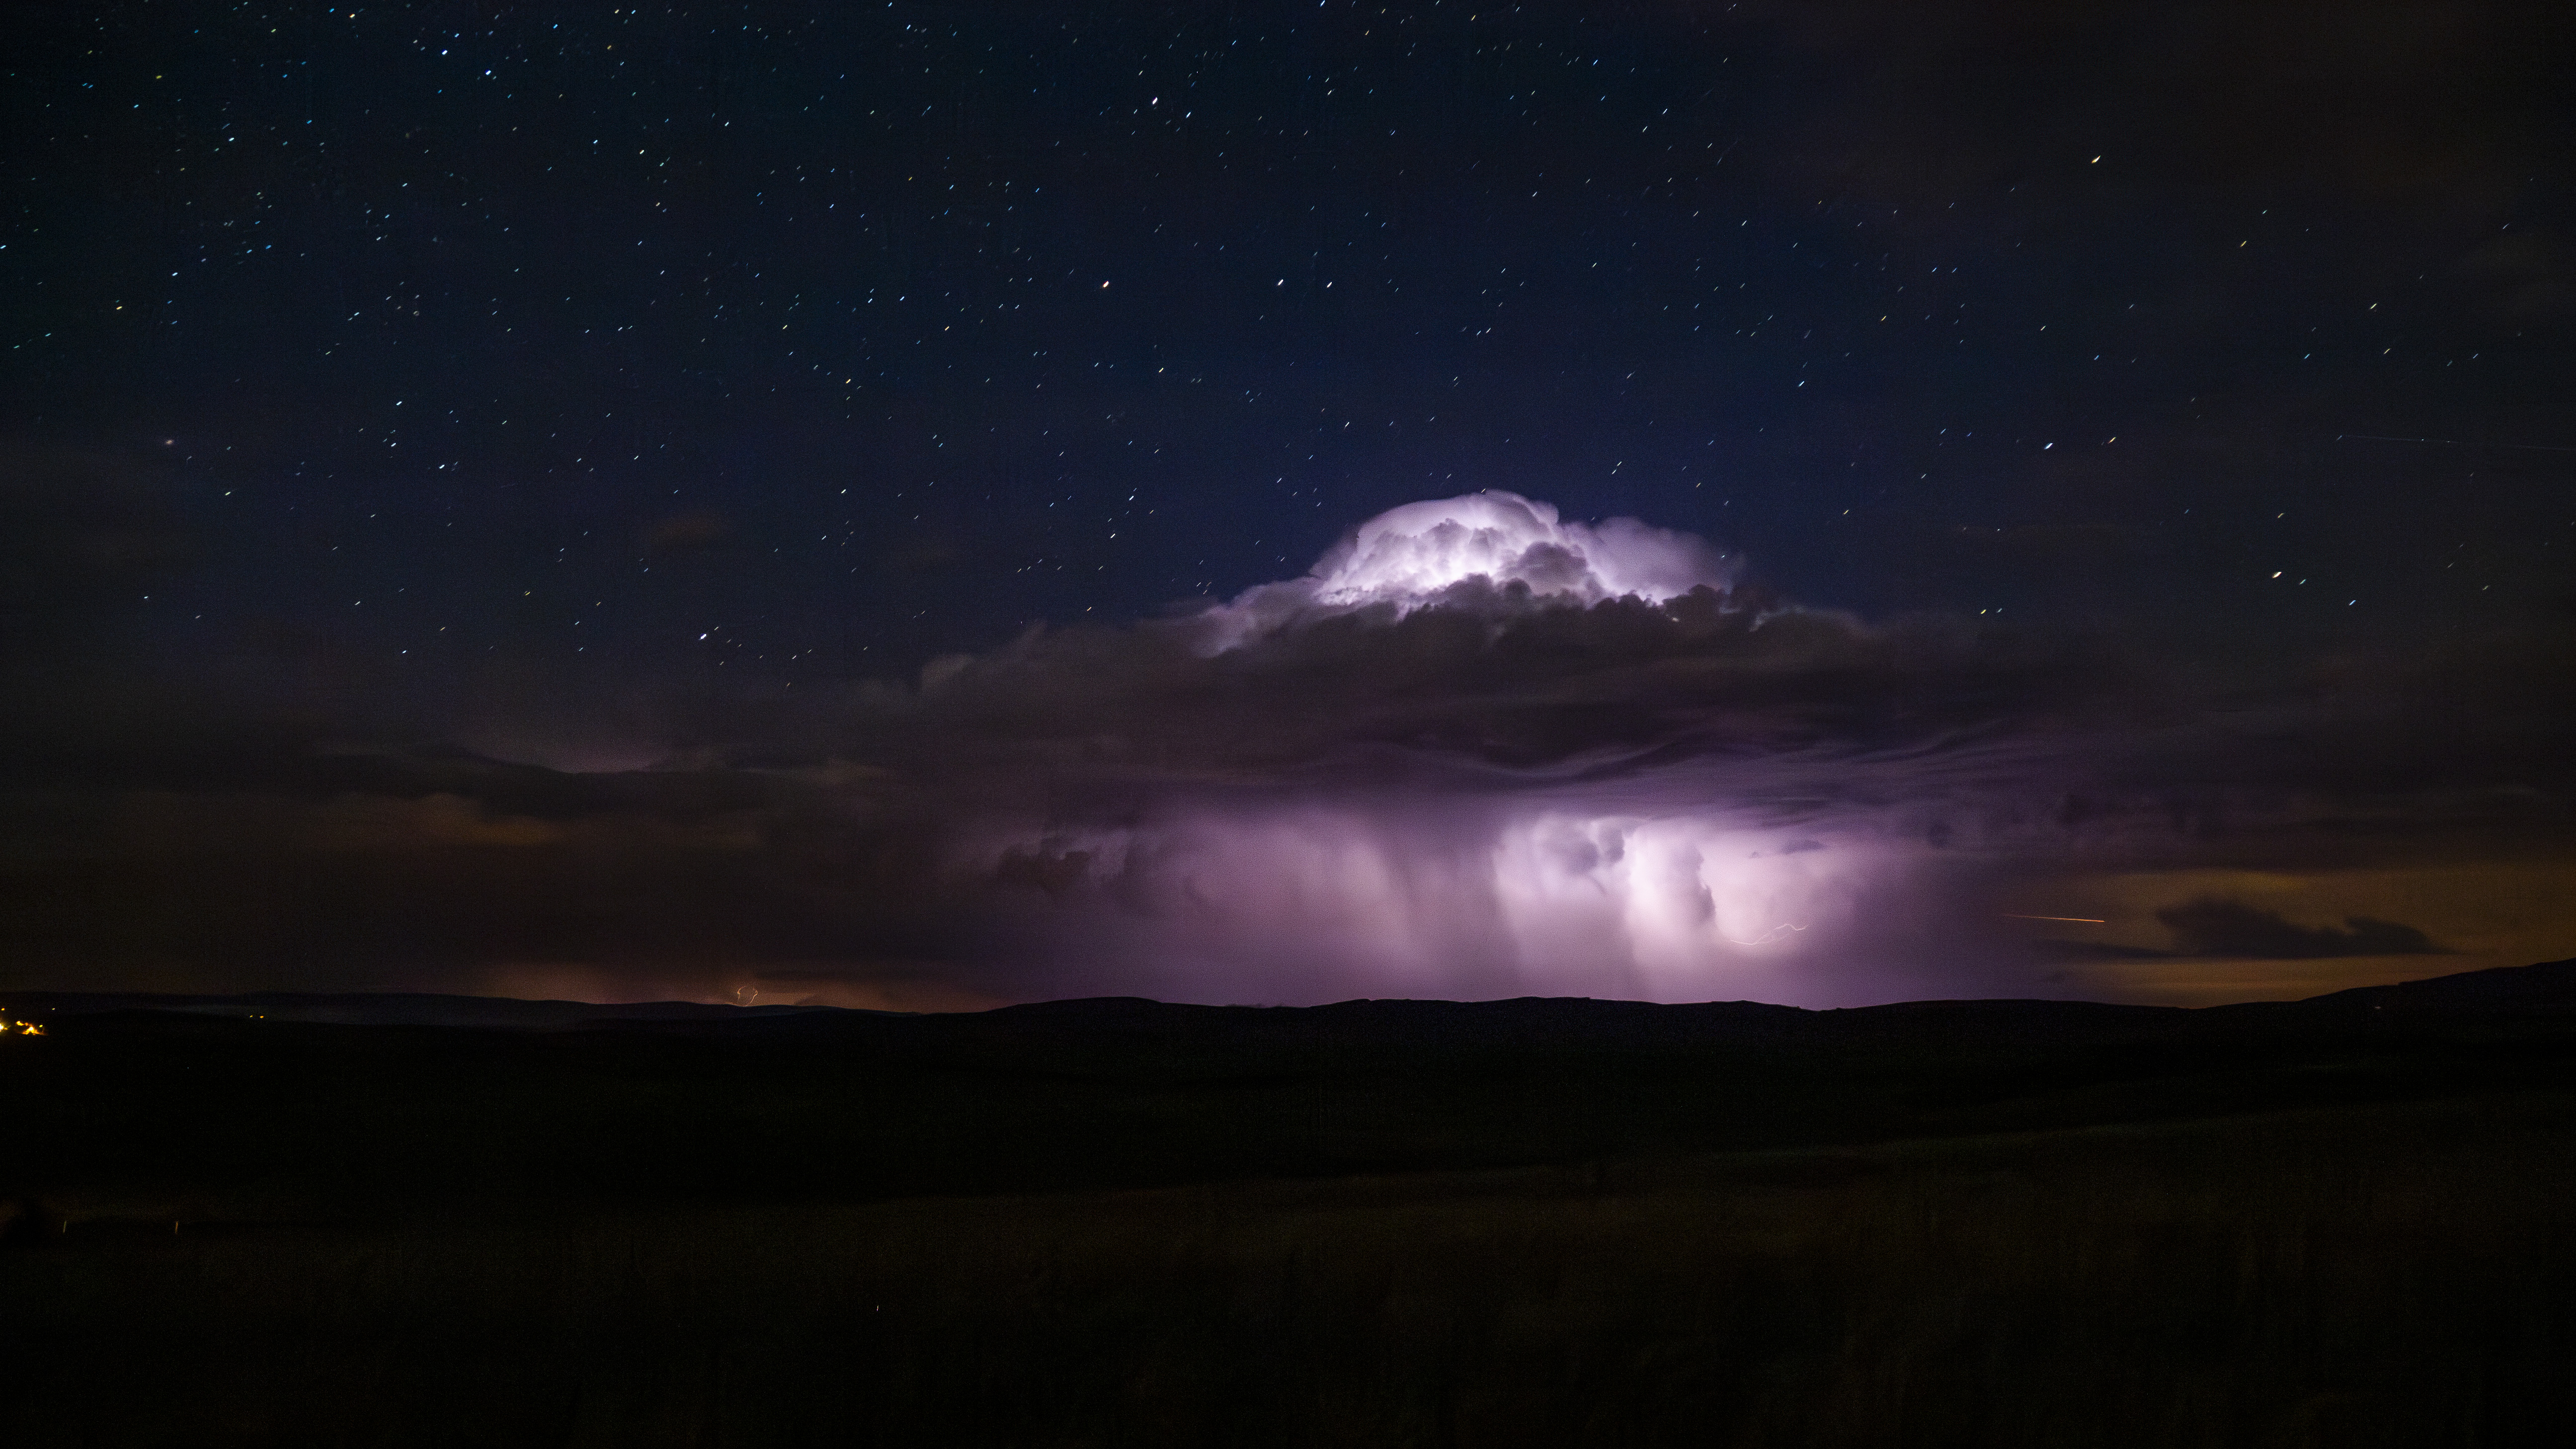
(776, 502)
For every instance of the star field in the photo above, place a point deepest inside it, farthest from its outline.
(841, 336)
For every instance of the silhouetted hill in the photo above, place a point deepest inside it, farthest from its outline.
(377, 1095)
(388, 1008)
(2548, 984)
(1520, 1024)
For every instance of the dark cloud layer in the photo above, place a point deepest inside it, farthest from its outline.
(2213, 926)
(1456, 788)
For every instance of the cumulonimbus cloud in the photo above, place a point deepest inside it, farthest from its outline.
(1480, 750)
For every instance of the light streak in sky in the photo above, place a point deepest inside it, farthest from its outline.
(2082, 920)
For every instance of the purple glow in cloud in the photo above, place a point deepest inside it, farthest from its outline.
(1426, 898)
(1678, 883)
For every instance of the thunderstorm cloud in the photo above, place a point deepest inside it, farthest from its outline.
(1477, 751)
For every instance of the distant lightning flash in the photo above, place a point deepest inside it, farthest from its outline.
(1776, 933)
(2085, 920)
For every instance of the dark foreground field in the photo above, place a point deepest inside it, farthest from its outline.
(2339, 1222)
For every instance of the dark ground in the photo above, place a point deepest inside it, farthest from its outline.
(441, 1221)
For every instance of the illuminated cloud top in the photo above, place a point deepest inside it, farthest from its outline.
(1407, 556)
(1490, 548)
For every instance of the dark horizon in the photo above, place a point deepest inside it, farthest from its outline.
(2494, 989)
